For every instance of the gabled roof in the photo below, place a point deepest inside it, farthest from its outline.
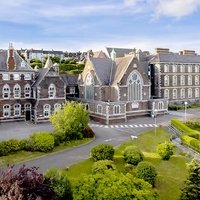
(20, 63)
(120, 52)
(103, 68)
(99, 54)
(70, 79)
(48, 63)
(175, 58)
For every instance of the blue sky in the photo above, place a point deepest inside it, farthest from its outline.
(74, 25)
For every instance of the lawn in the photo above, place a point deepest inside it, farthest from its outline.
(21, 156)
(171, 174)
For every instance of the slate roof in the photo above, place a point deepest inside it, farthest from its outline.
(120, 52)
(176, 58)
(70, 79)
(103, 68)
(40, 77)
(18, 60)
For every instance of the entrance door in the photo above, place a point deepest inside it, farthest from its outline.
(28, 115)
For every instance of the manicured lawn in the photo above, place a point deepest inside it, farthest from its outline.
(25, 155)
(171, 174)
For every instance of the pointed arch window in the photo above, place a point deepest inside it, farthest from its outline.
(135, 86)
(46, 110)
(17, 110)
(182, 93)
(6, 91)
(182, 80)
(27, 91)
(174, 80)
(166, 93)
(189, 80)
(52, 91)
(196, 80)
(174, 94)
(17, 91)
(166, 80)
(6, 111)
(189, 92)
(89, 87)
(196, 92)
(57, 106)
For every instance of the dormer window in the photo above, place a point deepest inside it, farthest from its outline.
(52, 91)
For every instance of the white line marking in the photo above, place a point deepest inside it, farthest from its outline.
(136, 125)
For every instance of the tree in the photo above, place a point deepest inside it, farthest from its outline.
(59, 183)
(146, 171)
(102, 152)
(26, 183)
(70, 121)
(191, 190)
(165, 150)
(132, 155)
(112, 186)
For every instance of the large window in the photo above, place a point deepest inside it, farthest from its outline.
(116, 109)
(166, 68)
(46, 110)
(197, 68)
(6, 111)
(196, 92)
(182, 95)
(89, 87)
(174, 80)
(166, 80)
(134, 84)
(6, 91)
(182, 80)
(175, 68)
(189, 68)
(182, 68)
(189, 92)
(189, 80)
(166, 93)
(196, 80)
(27, 91)
(174, 94)
(17, 110)
(52, 91)
(17, 91)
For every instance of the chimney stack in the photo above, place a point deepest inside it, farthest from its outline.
(187, 53)
(11, 60)
(162, 50)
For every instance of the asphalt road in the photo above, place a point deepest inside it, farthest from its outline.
(114, 135)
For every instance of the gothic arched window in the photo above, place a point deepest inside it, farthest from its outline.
(52, 91)
(17, 91)
(134, 84)
(89, 87)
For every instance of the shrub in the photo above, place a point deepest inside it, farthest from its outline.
(102, 152)
(165, 150)
(88, 133)
(41, 141)
(4, 149)
(132, 155)
(146, 171)
(191, 142)
(59, 183)
(102, 165)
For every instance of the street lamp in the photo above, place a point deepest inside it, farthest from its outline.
(185, 103)
(155, 115)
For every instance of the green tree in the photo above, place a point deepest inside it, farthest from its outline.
(102, 152)
(59, 183)
(112, 186)
(165, 150)
(146, 171)
(70, 121)
(191, 190)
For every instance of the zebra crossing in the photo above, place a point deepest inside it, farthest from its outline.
(124, 126)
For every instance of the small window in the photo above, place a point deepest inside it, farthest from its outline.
(6, 77)
(27, 91)
(197, 68)
(166, 68)
(57, 106)
(196, 80)
(27, 106)
(72, 90)
(166, 80)
(189, 92)
(182, 80)
(174, 68)
(6, 111)
(189, 80)
(27, 77)
(182, 94)
(46, 110)
(160, 105)
(6, 91)
(166, 93)
(17, 91)
(16, 76)
(99, 109)
(116, 109)
(174, 94)
(196, 92)
(189, 68)
(52, 91)
(182, 68)
(174, 81)
(17, 110)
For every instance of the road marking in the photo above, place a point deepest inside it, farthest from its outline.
(126, 126)
(146, 125)
(107, 140)
(111, 126)
(136, 125)
(106, 126)
(155, 125)
(131, 126)
(121, 126)
(116, 126)
(140, 125)
(150, 125)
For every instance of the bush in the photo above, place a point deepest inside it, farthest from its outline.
(4, 149)
(102, 152)
(191, 142)
(102, 165)
(88, 133)
(41, 141)
(146, 171)
(165, 150)
(132, 155)
(59, 183)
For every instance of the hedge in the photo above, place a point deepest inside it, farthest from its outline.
(191, 142)
(181, 126)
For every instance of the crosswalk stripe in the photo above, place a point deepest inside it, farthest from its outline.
(106, 127)
(145, 125)
(126, 126)
(131, 126)
(136, 125)
(140, 125)
(150, 125)
(121, 126)
(116, 126)
(111, 126)
(101, 126)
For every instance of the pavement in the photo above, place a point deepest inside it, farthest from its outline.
(111, 134)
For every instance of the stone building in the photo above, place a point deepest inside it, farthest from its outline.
(27, 94)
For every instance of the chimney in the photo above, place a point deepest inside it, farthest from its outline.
(162, 50)
(188, 53)
(11, 60)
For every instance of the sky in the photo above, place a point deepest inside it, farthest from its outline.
(73, 25)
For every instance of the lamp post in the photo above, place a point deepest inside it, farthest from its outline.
(185, 103)
(155, 116)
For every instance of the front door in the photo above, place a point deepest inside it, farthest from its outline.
(28, 115)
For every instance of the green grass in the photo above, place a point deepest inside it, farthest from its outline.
(171, 174)
(21, 156)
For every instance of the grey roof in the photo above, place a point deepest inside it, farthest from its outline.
(40, 77)
(70, 79)
(120, 52)
(18, 60)
(41, 51)
(103, 68)
(176, 58)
